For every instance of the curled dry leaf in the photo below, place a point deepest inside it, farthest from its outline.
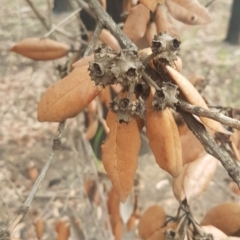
(195, 178)
(113, 204)
(191, 146)
(67, 97)
(152, 4)
(63, 230)
(39, 225)
(120, 153)
(193, 97)
(132, 222)
(151, 220)
(136, 23)
(41, 48)
(83, 61)
(107, 38)
(224, 217)
(188, 11)
(216, 233)
(164, 140)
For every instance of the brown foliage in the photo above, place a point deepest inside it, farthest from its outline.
(63, 230)
(41, 48)
(107, 38)
(188, 11)
(191, 146)
(120, 153)
(151, 220)
(67, 97)
(194, 97)
(39, 225)
(224, 217)
(164, 23)
(136, 23)
(113, 204)
(164, 139)
(83, 61)
(152, 4)
(195, 178)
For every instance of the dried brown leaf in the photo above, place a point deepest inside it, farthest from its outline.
(151, 31)
(131, 222)
(198, 175)
(193, 97)
(136, 23)
(63, 230)
(41, 48)
(113, 204)
(107, 38)
(151, 220)
(117, 229)
(224, 217)
(191, 146)
(32, 173)
(164, 23)
(39, 225)
(83, 61)
(152, 4)
(164, 140)
(195, 178)
(120, 153)
(67, 97)
(188, 11)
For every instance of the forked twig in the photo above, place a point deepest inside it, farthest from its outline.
(211, 147)
(199, 111)
(94, 39)
(62, 22)
(108, 22)
(23, 210)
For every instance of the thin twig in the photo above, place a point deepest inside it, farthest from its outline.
(24, 208)
(202, 112)
(108, 22)
(149, 80)
(93, 40)
(208, 4)
(62, 22)
(211, 147)
(49, 13)
(39, 16)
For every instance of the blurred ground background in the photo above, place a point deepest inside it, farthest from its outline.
(24, 142)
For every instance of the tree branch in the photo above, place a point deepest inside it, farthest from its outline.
(108, 22)
(23, 210)
(211, 147)
(93, 40)
(199, 111)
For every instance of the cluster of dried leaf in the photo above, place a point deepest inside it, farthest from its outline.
(218, 223)
(151, 93)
